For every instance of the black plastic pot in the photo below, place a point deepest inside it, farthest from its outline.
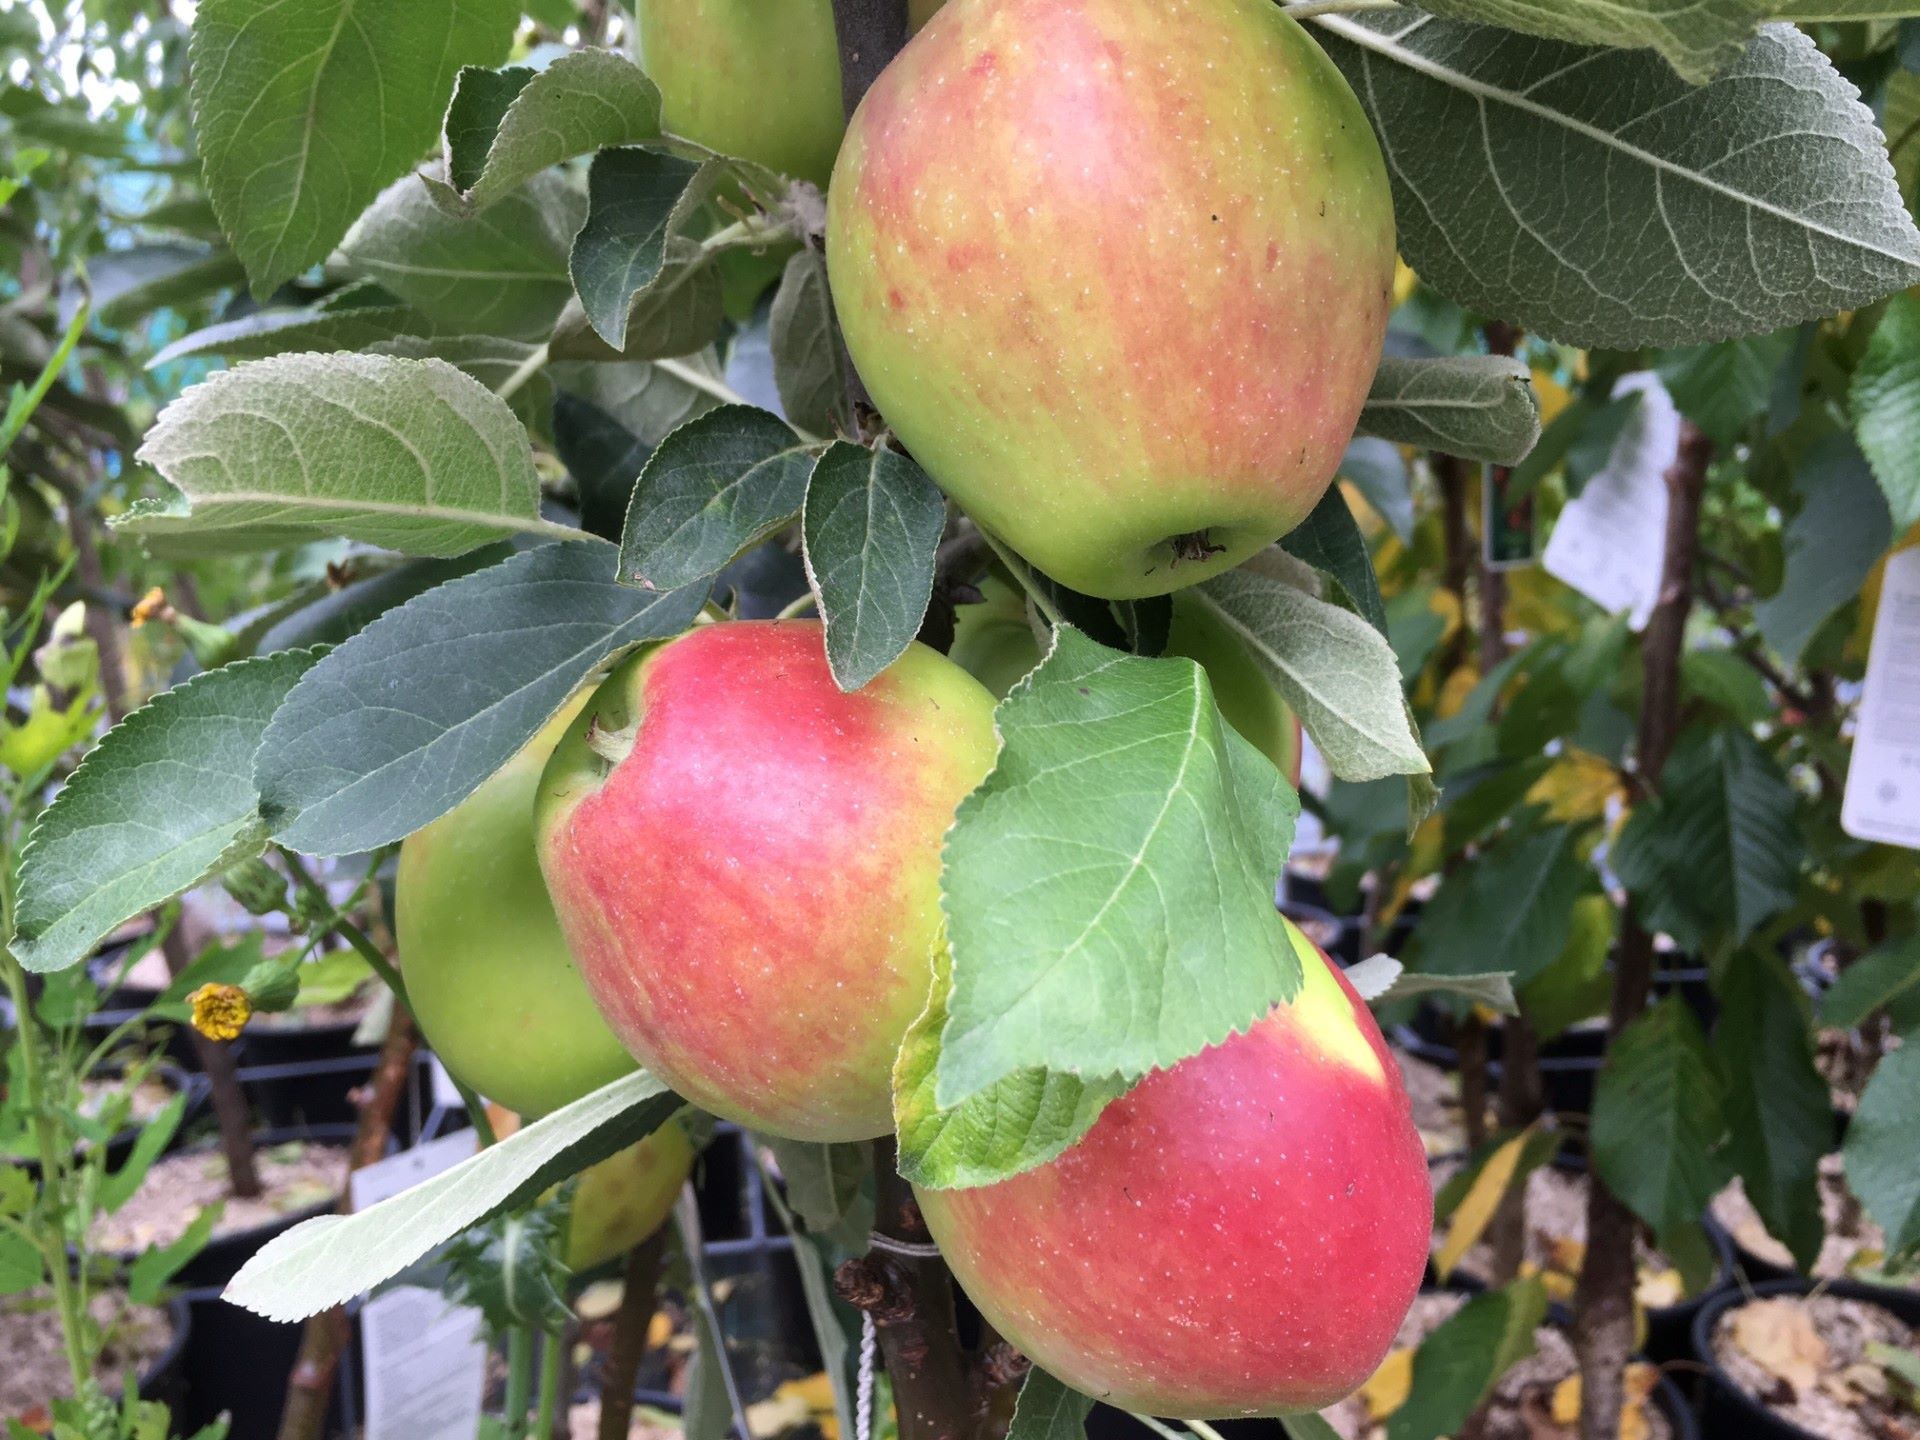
(238, 1364)
(1726, 1411)
(121, 1145)
(1568, 1069)
(223, 1256)
(305, 1074)
(165, 1379)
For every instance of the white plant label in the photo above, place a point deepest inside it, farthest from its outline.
(1883, 777)
(1609, 542)
(426, 1359)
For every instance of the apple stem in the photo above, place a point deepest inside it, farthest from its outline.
(610, 744)
(1603, 1300)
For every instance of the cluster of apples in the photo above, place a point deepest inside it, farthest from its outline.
(1117, 274)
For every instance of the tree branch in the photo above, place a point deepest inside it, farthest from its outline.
(629, 1347)
(871, 33)
(911, 1302)
(1603, 1327)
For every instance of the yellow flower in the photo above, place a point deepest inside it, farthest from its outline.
(152, 604)
(220, 1012)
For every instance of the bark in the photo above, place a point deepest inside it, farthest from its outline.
(310, 1385)
(938, 1391)
(1471, 1042)
(639, 1285)
(1603, 1302)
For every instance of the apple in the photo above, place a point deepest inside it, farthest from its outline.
(758, 79)
(993, 642)
(1117, 274)
(746, 863)
(487, 970)
(623, 1199)
(1240, 1234)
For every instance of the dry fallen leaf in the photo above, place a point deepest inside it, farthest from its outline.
(1639, 1383)
(1475, 1210)
(1778, 1335)
(1659, 1288)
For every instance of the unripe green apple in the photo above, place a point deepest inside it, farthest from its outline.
(487, 970)
(1118, 274)
(993, 642)
(1240, 1234)
(623, 1199)
(759, 79)
(747, 863)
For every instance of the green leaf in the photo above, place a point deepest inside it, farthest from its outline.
(155, 1135)
(808, 367)
(1335, 670)
(404, 721)
(1048, 1410)
(812, 1256)
(1723, 678)
(1330, 541)
(1833, 541)
(327, 1261)
(506, 126)
(1458, 1365)
(1882, 1153)
(1807, 11)
(715, 486)
(1382, 980)
(1719, 849)
(651, 399)
(1870, 983)
(1697, 37)
(19, 1264)
(1013, 1125)
(407, 454)
(503, 272)
(709, 1410)
(1380, 474)
(162, 802)
(1659, 1119)
(1886, 407)
(1481, 407)
(1510, 910)
(1722, 387)
(131, 284)
(281, 332)
(871, 524)
(302, 112)
(148, 1275)
(1779, 1114)
(1764, 198)
(1108, 888)
(827, 1186)
(491, 361)
(510, 1269)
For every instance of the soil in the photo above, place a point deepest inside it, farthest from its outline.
(1435, 1094)
(1853, 1244)
(1806, 1359)
(1556, 1240)
(293, 1177)
(36, 1365)
(1846, 1061)
(1522, 1406)
(149, 1098)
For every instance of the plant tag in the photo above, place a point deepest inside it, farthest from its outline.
(1883, 777)
(1610, 540)
(425, 1358)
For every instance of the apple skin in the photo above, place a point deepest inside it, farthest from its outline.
(759, 79)
(753, 890)
(626, 1197)
(993, 642)
(1145, 298)
(1238, 1235)
(488, 973)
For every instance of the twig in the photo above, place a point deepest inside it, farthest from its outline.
(1603, 1328)
(630, 1324)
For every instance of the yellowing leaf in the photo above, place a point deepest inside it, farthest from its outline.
(1475, 1211)
(1659, 1288)
(1453, 694)
(1553, 395)
(1387, 1388)
(1778, 1335)
(1576, 787)
(1639, 1381)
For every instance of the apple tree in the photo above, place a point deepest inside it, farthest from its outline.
(1076, 309)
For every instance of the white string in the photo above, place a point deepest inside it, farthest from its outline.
(907, 1249)
(863, 1396)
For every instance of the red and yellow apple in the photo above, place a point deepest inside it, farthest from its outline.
(993, 642)
(487, 970)
(746, 863)
(1240, 1234)
(759, 79)
(1117, 274)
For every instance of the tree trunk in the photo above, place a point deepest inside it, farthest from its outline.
(1603, 1302)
